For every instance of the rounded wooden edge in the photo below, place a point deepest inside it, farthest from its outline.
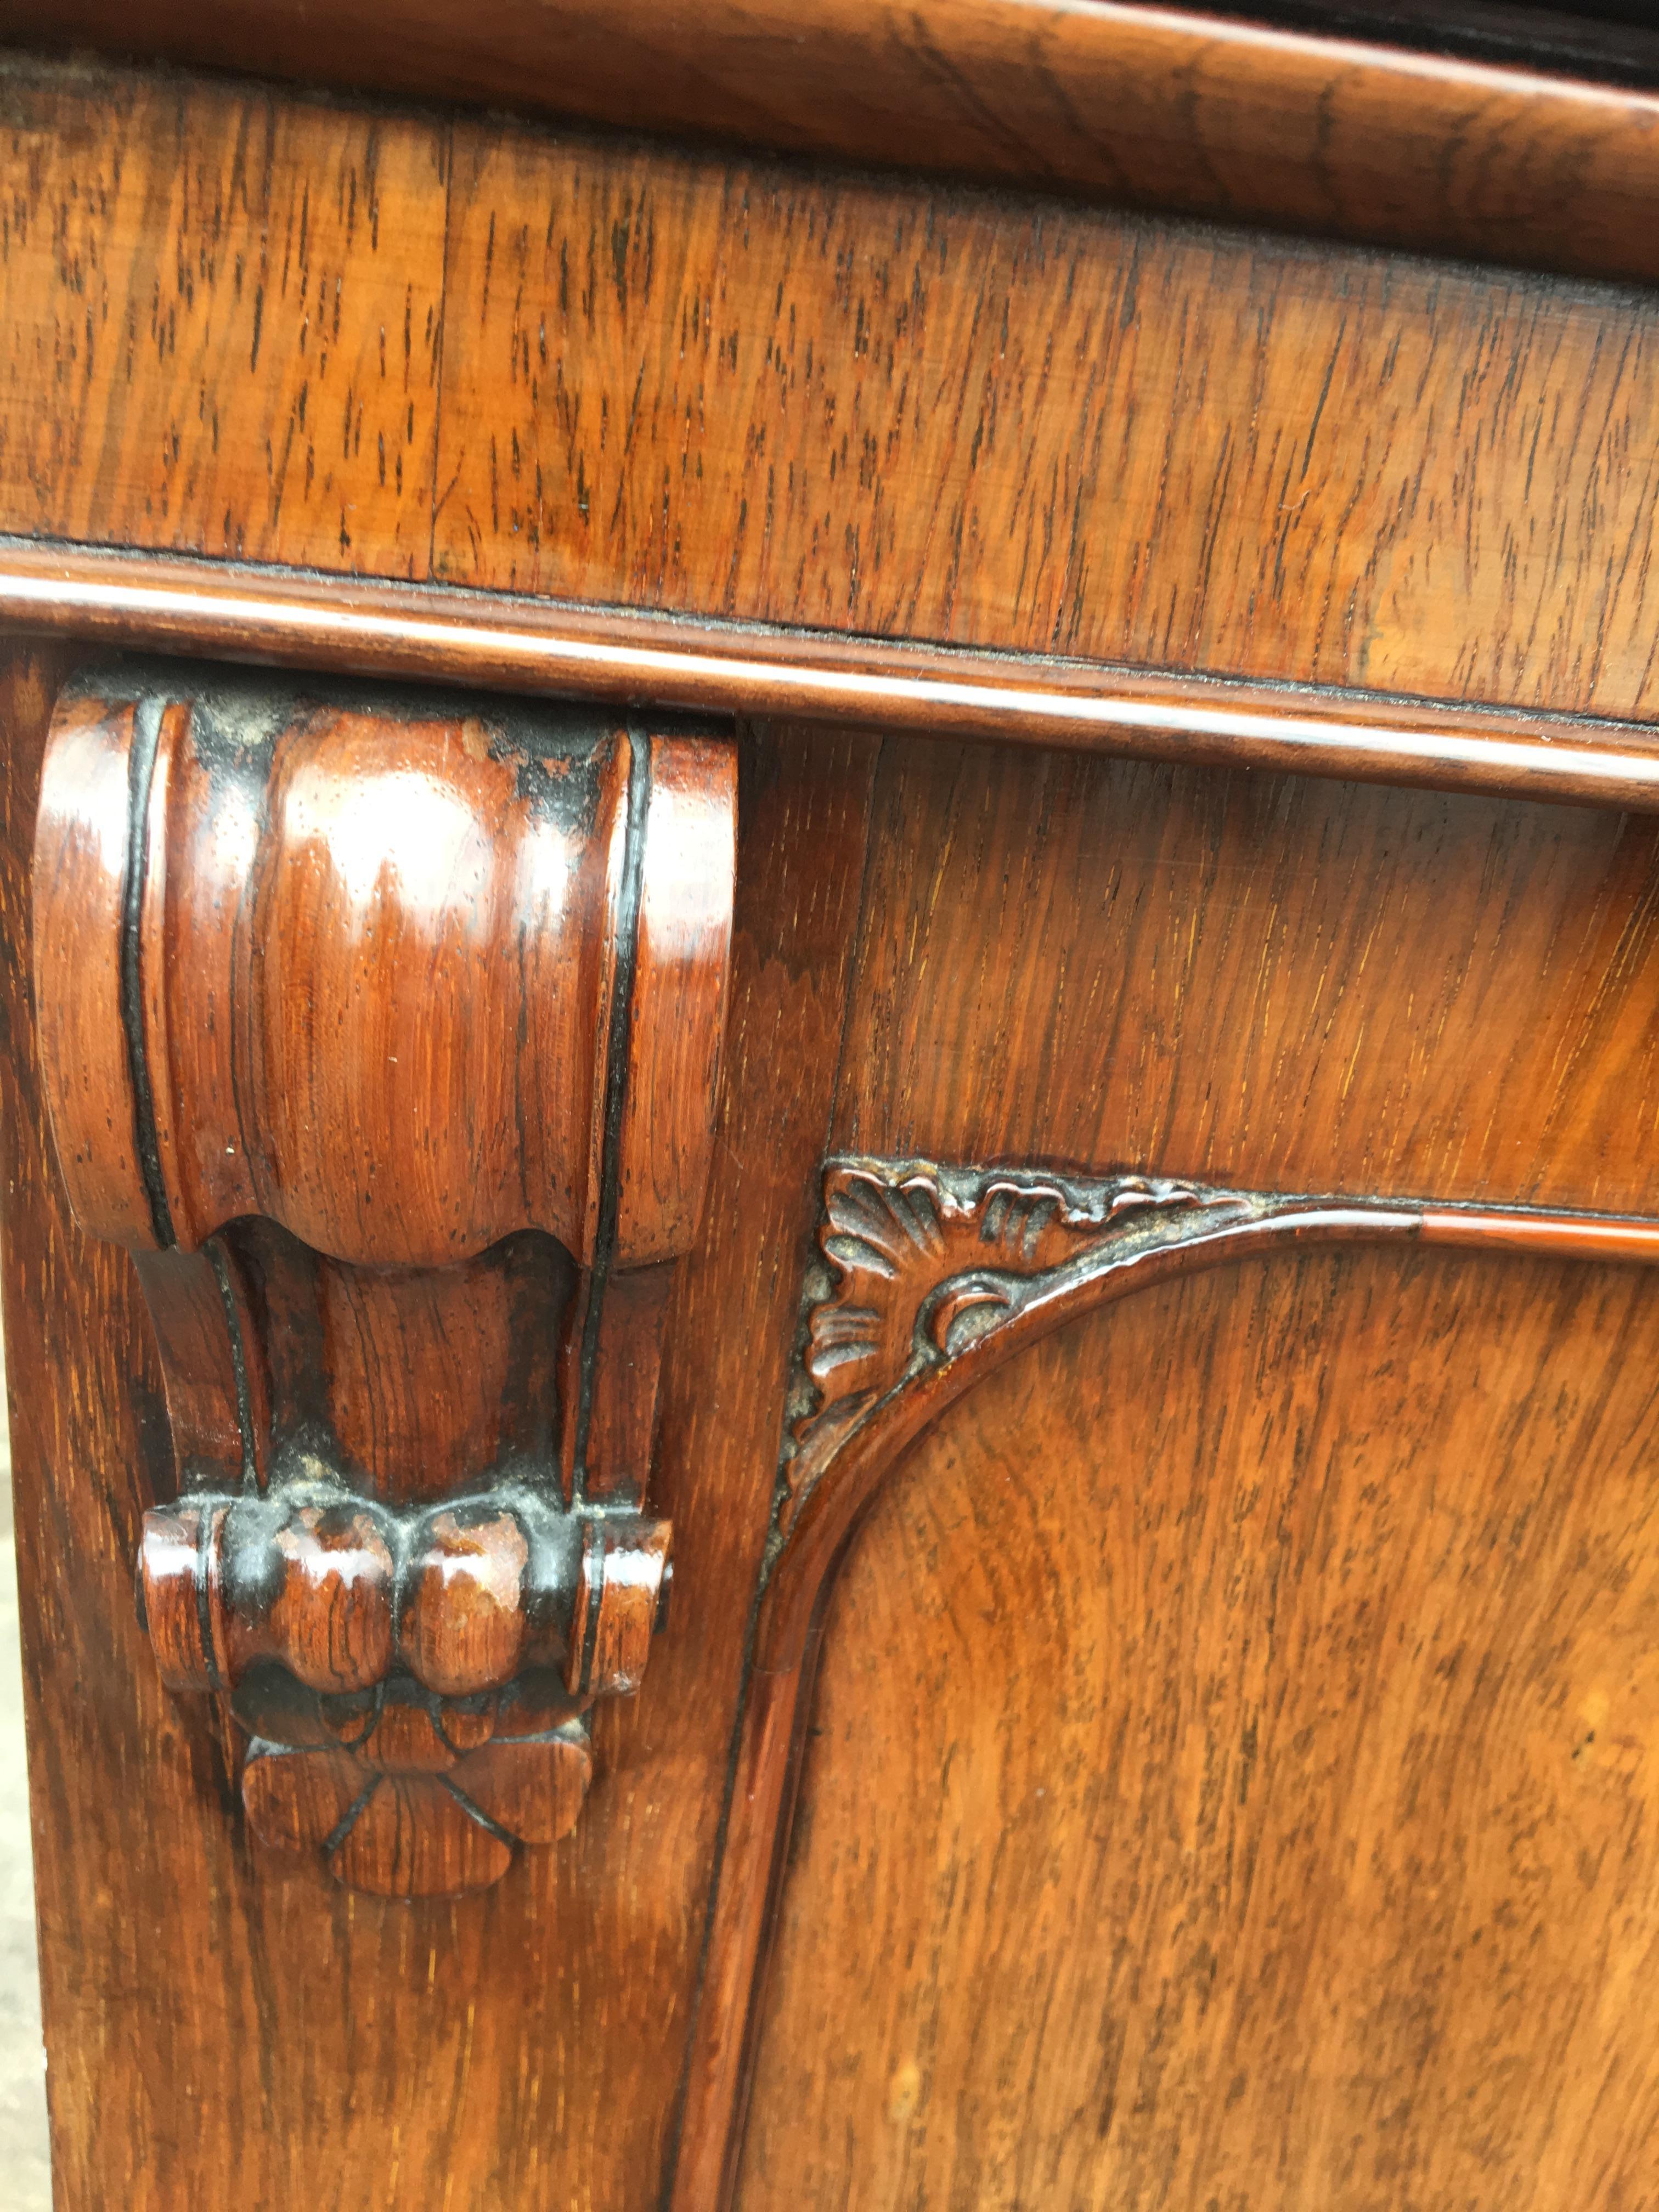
(85, 932)
(1214, 116)
(505, 641)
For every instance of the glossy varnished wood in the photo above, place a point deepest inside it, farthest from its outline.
(449, 636)
(503, 2046)
(1199, 450)
(1319, 1871)
(345, 940)
(1229, 979)
(381, 999)
(1260, 982)
(238, 351)
(1157, 106)
(1138, 442)
(930, 1279)
(1299, 1590)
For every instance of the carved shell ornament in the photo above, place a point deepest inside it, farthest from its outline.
(919, 1261)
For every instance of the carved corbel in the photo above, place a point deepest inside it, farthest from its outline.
(384, 1032)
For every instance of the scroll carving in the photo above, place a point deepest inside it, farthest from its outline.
(384, 1033)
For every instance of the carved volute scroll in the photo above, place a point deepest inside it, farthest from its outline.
(384, 1033)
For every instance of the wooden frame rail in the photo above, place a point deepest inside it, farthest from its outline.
(505, 641)
(1145, 107)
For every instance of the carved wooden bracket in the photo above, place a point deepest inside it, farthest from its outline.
(384, 1033)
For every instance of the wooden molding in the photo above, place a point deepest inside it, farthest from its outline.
(1148, 106)
(514, 642)
(384, 1033)
(926, 1279)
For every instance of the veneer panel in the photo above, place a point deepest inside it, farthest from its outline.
(1227, 1780)
(1252, 980)
(219, 313)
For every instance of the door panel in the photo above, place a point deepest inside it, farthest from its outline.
(1230, 1779)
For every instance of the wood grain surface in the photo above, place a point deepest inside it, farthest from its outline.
(1143, 104)
(667, 381)
(1319, 1869)
(222, 314)
(929, 1278)
(1246, 851)
(1259, 981)
(1239, 981)
(1138, 443)
(203, 1997)
(1360, 1613)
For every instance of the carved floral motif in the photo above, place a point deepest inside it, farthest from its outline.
(420, 1796)
(919, 1261)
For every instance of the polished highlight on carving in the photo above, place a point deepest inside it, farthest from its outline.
(384, 1033)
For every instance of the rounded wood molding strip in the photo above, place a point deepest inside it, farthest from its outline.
(1145, 107)
(929, 1280)
(496, 640)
